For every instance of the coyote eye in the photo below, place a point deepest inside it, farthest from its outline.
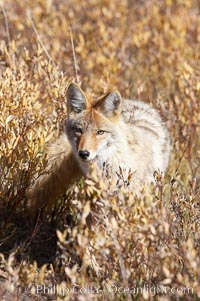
(100, 132)
(78, 130)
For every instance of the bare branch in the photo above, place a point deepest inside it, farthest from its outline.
(74, 55)
(6, 24)
(38, 37)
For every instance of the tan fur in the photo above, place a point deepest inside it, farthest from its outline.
(134, 137)
(62, 171)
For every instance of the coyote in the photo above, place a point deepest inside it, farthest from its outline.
(121, 133)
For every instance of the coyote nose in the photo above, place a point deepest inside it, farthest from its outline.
(84, 154)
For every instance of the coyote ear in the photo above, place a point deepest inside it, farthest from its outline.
(110, 105)
(76, 100)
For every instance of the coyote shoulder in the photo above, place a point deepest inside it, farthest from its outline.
(121, 133)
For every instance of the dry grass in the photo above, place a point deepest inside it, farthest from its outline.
(148, 50)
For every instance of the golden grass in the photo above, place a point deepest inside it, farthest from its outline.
(148, 50)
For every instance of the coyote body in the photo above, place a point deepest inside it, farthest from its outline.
(124, 134)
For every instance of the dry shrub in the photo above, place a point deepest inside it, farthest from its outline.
(147, 50)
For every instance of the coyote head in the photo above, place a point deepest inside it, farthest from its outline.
(91, 125)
